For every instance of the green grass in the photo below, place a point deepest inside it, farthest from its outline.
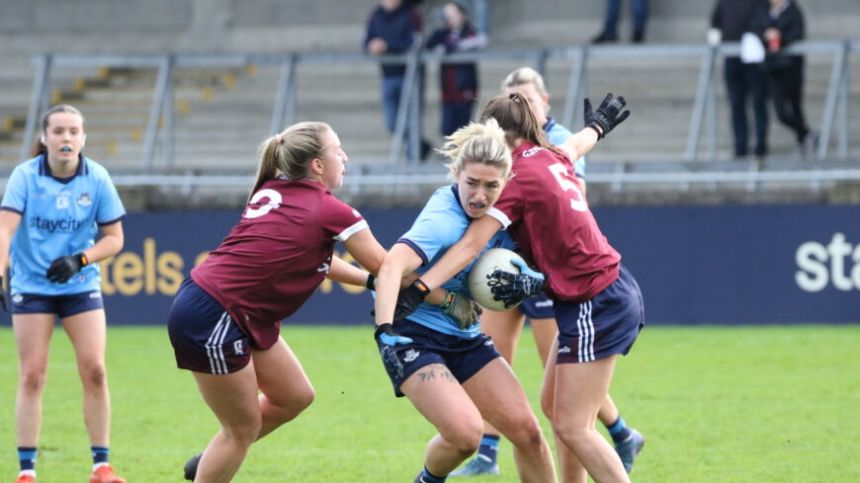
(751, 404)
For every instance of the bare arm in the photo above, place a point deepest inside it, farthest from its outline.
(9, 221)
(366, 250)
(464, 251)
(110, 242)
(400, 261)
(580, 144)
(344, 272)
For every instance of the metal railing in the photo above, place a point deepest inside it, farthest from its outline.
(160, 123)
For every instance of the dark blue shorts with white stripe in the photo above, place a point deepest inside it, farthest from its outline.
(203, 335)
(605, 325)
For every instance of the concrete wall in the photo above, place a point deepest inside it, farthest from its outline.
(28, 26)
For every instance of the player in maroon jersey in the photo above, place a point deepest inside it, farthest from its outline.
(597, 302)
(224, 324)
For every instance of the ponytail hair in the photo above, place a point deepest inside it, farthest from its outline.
(514, 115)
(482, 142)
(289, 152)
(39, 147)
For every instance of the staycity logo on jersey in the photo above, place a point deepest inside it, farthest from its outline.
(837, 263)
(62, 225)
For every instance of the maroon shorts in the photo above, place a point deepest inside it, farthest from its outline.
(203, 335)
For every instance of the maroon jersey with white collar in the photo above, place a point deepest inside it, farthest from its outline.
(276, 255)
(546, 213)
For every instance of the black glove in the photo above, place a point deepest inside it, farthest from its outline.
(63, 268)
(387, 340)
(409, 298)
(3, 296)
(513, 288)
(607, 116)
(370, 283)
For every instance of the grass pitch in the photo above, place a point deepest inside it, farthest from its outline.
(738, 404)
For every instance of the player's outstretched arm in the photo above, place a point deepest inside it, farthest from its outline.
(366, 250)
(610, 113)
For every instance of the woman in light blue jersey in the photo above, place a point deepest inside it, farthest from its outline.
(451, 373)
(59, 217)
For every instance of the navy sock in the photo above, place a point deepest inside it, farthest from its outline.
(489, 448)
(100, 454)
(27, 458)
(427, 477)
(618, 430)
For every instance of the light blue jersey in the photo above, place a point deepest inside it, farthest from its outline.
(59, 217)
(440, 225)
(558, 134)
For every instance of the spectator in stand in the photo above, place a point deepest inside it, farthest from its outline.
(729, 21)
(391, 30)
(639, 12)
(458, 80)
(779, 26)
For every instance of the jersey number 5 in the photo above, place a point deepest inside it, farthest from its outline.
(567, 181)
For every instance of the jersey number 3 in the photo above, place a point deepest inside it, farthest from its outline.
(274, 200)
(568, 183)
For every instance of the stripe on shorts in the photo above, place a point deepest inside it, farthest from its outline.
(585, 349)
(214, 346)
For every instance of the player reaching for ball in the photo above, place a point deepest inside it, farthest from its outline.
(597, 302)
(450, 372)
(224, 323)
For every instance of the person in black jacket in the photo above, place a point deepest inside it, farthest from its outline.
(780, 26)
(729, 21)
(391, 30)
(458, 80)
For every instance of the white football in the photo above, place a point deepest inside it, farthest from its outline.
(480, 283)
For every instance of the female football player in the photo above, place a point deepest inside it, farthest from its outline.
(505, 327)
(597, 302)
(450, 372)
(224, 324)
(72, 219)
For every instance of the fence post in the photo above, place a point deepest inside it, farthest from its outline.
(37, 103)
(164, 76)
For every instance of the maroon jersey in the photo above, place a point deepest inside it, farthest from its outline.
(277, 255)
(546, 213)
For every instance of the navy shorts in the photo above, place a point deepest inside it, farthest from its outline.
(463, 357)
(605, 325)
(62, 305)
(203, 335)
(537, 307)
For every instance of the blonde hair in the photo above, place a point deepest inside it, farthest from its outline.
(477, 143)
(289, 152)
(524, 75)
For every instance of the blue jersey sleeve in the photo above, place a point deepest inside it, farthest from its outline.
(15, 196)
(110, 207)
(438, 226)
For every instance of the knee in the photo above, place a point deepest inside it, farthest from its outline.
(465, 439)
(526, 432)
(287, 408)
(302, 400)
(573, 435)
(94, 376)
(32, 379)
(246, 433)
